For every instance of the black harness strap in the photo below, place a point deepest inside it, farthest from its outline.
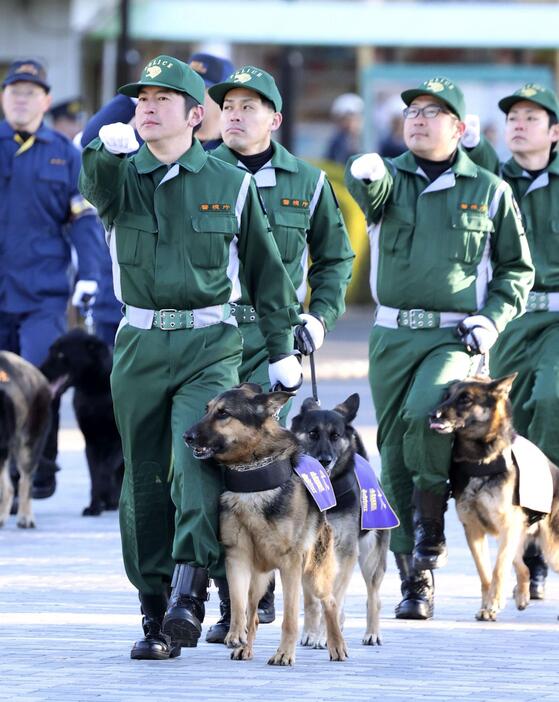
(478, 469)
(259, 479)
(344, 489)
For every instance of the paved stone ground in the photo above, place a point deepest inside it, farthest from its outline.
(69, 616)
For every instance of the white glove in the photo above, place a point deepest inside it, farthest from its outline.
(84, 293)
(119, 138)
(472, 135)
(478, 333)
(309, 336)
(287, 372)
(368, 167)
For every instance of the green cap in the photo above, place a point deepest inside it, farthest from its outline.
(443, 89)
(168, 72)
(251, 78)
(532, 92)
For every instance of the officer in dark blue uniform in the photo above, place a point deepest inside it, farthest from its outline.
(42, 214)
(68, 116)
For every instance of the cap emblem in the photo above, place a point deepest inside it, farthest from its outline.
(199, 67)
(242, 78)
(435, 86)
(27, 68)
(153, 71)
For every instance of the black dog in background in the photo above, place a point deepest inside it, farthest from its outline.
(82, 361)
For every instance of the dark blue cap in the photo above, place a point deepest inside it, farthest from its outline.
(71, 109)
(213, 69)
(27, 70)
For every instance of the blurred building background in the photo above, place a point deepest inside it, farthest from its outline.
(317, 49)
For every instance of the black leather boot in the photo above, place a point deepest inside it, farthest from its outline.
(537, 566)
(266, 606)
(155, 646)
(418, 590)
(185, 612)
(429, 550)
(218, 631)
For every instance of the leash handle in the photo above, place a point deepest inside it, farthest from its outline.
(483, 368)
(86, 311)
(313, 379)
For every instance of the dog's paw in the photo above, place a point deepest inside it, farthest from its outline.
(321, 644)
(309, 639)
(521, 597)
(26, 523)
(486, 614)
(371, 640)
(282, 658)
(338, 651)
(92, 511)
(242, 653)
(235, 640)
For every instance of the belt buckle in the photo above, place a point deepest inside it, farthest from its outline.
(168, 324)
(418, 319)
(537, 302)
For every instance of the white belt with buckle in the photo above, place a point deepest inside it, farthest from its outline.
(416, 319)
(171, 319)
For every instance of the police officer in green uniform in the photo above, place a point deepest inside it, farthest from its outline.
(530, 344)
(450, 267)
(181, 223)
(306, 223)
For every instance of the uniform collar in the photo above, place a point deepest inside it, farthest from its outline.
(463, 165)
(192, 160)
(42, 134)
(281, 159)
(512, 169)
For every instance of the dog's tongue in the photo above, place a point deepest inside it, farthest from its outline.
(437, 425)
(57, 385)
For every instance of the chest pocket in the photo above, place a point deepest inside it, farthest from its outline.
(136, 239)
(397, 231)
(552, 241)
(209, 246)
(467, 237)
(290, 232)
(52, 187)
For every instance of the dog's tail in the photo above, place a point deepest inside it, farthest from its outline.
(7, 424)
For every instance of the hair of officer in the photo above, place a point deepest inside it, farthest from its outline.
(189, 103)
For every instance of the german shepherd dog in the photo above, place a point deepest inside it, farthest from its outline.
(328, 436)
(25, 416)
(279, 527)
(485, 486)
(83, 361)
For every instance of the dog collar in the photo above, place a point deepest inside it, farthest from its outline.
(478, 469)
(344, 489)
(264, 476)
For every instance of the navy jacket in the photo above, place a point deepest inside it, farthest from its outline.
(41, 214)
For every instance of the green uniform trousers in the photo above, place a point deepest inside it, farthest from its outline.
(161, 382)
(409, 370)
(254, 365)
(530, 346)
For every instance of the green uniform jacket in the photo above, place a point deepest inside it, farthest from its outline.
(305, 219)
(456, 244)
(177, 236)
(538, 200)
(539, 204)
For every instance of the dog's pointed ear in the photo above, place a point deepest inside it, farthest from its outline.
(309, 404)
(501, 386)
(348, 408)
(254, 388)
(270, 403)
